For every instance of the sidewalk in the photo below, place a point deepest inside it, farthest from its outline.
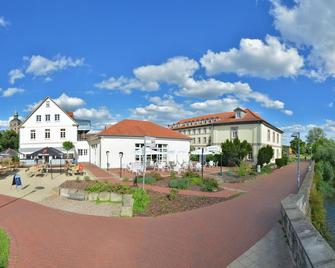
(271, 251)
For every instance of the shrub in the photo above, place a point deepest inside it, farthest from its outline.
(265, 155)
(233, 152)
(173, 194)
(148, 180)
(155, 175)
(209, 185)
(280, 162)
(196, 181)
(173, 174)
(181, 183)
(141, 200)
(266, 169)
(328, 173)
(190, 174)
(99, 187)
(4, 249)
(243, 169)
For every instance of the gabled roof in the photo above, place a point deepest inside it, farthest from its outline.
(139, 128)
(40, 104)
(223, 118)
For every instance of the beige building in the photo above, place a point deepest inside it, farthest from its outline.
(214, 129)
(15, 123)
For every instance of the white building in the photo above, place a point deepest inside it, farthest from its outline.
(49, 126)
(214, 129)
(127, 137)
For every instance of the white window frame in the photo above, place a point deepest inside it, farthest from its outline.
(57, 117)
(47, 118)
(62, 133)
(47, 131)
(234, 132)
(33, 134)
(38, 118)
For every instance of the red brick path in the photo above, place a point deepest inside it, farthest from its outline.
(206, 237)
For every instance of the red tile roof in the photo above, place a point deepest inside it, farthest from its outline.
(70, 114)
(222, 118)
(138, 128)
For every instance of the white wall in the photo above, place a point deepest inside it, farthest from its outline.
(126, 145)
(83, 145)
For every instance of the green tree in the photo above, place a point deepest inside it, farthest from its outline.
(294, 146)
(265, 155)
(235, 151)
(315, 134)
(9, 139)
(68, 145)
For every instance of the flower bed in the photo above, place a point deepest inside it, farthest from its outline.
(4, 249)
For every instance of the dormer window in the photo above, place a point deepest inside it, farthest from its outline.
(238, 114)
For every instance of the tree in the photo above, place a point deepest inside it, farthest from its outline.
(265, 155)
(314, 135)
(235, 151)
(294, 146)
(68, 145)
(9, 139)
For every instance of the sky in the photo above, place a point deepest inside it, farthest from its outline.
(169, 60)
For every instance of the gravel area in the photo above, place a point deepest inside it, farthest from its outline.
(83, 207)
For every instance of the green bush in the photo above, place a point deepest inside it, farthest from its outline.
(265, 155)
(196, 181)
(173, 194)
(155, 175)
(328, 173)
(141, 200)
(4, 249)
(148, 180)
(181, 183)
(102, 186)
(266, 169)
(243, 169)
(280, 162)
(173, 174)
(209, 185)
(190, 174)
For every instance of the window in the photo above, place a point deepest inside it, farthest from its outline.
(205, 140)
(62, 133)
(199, 130)
(238, 114)
(56, 117)
(199, 140)
(193, 131)
(47, 117)
(249, 157)
(273, 137)
(193, 140)
(205, 130)
(82, 152)
(47, 104)
(234, 132)
(277, 138)
(33, 134)
(38, 118)
(269, 135)
(47, 134)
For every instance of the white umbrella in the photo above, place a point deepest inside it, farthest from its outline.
(148, 151)
(199, 152)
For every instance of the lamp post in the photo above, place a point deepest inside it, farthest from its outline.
(202, 163)
(120, 155)
(297, 136)
(107, 154)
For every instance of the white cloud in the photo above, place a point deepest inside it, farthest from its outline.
(288, 112)
(161, 110)
(69, 103)
(3, 22)
(41, 66)
(4, 124)
(331, 104)
(269, 59)
(11, 91)
(216, 106)
(310, 25)
(14, 75)
(126, 85)
(100, 117)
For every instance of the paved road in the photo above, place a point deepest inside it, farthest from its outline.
(206, 237)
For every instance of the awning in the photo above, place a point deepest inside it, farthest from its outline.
(47, 151)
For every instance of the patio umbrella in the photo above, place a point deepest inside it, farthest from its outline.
(148, 151)
(47, 151)
(9, 153)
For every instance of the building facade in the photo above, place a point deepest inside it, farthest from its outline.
(127, 137)
(214, 129)
(49, 126)
(15, 123)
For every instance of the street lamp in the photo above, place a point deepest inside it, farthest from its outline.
(297, 136)
(120, 155)
(107, 154)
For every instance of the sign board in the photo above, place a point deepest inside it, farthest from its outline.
(16, 180)
(150, 142)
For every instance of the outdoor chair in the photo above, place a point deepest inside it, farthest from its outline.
(198, 167)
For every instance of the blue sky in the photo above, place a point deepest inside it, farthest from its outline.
(167, 60)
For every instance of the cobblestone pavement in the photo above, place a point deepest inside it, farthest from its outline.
(206, 237)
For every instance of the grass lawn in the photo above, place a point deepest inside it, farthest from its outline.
(4, 249)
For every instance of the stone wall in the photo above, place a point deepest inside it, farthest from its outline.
(125, 201)
(308, 247)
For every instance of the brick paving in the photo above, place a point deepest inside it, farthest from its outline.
(207, 237)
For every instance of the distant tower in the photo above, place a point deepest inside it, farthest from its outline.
(15, 123)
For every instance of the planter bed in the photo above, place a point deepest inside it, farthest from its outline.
(161, 205)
